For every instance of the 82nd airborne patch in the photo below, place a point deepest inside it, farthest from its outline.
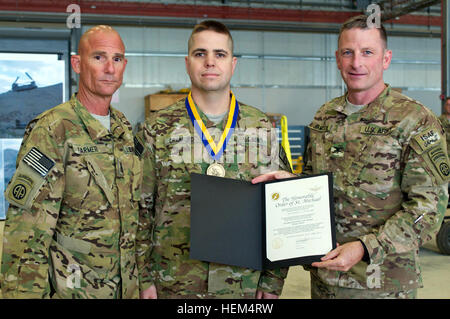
(29, 178)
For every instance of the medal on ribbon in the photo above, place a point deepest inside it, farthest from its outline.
(215, 151)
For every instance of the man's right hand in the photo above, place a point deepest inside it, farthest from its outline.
(149, 293)
(272, 176)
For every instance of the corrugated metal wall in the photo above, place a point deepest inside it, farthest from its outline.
(282, 72)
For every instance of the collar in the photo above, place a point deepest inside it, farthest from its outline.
(94, 128)
(371, 110)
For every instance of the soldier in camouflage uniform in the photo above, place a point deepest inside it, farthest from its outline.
(444, 118)
(388, 156)
(445, 121)
(165, 268)
(71, 226)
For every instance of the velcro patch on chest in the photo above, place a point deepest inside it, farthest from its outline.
(91, 148)
(371, 129)
(320, 128)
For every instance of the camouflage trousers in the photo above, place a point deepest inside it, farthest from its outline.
(321, 290)
(162, 295)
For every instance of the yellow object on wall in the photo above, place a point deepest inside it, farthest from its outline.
(285, 140)
(297, 163)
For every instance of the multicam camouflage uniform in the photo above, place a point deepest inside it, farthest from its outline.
(165, 217)
(390, 173)
(446, 125)
(71, 227)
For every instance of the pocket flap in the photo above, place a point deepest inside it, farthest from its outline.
(100, 179)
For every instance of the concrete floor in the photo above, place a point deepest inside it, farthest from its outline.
(435, 274)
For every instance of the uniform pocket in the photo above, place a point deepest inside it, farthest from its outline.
(379, 172)
(72, 279)
(319, 150)
(136, 177)
(99, 178)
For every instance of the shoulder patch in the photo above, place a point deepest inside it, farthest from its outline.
(38, 161)
(428, 139)
(439, 159)
(28, 178)
(138, 147)
(430, 145)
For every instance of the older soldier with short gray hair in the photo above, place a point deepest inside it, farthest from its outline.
(71, 226)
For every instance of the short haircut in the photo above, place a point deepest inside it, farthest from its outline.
(360, 22)
(211, 25)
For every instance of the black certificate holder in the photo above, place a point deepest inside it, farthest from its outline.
(228, 223)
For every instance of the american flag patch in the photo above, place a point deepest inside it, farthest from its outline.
(38, 161)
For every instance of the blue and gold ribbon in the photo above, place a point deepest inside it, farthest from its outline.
(214, 150)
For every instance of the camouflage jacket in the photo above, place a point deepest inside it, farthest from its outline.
(71, 226)
(390, 174)
(446, 125)
(173, 151)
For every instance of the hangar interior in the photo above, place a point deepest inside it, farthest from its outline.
(286, 65)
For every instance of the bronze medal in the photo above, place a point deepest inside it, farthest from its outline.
(215, 169)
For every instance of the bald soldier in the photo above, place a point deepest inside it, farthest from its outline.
(71, 225)
(390, 170)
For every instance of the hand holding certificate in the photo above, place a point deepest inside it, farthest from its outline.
(271, 224)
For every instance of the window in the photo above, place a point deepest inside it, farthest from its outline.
(29, 85)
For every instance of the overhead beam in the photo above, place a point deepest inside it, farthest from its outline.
(411, 7)
(225, 12)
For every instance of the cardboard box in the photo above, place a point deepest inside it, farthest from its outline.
(158, 101)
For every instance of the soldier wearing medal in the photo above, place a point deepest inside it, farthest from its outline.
(387, 153)
(165, 268)
(71, 226)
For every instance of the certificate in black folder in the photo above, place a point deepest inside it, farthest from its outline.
(268, 225)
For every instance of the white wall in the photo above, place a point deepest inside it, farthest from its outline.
(295, 87)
